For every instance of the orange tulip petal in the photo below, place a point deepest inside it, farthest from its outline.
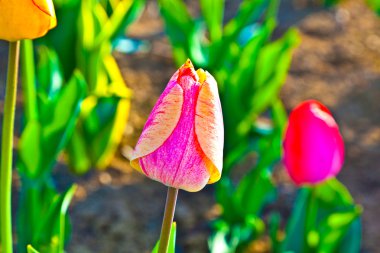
(26, 19)
(48, 8)
(209, 126)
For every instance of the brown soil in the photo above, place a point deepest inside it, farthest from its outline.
(338, 63)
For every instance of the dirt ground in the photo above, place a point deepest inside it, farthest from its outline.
(337, 62)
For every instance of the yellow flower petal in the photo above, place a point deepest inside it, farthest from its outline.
(26, 19)
(209, 126)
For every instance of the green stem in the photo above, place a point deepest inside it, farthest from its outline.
(28, 79)
(311, 221)
(7, 148)
(171, 200)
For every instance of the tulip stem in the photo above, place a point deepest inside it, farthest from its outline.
(311, 219)
(167, 222)
(28, 80)
(7, 148)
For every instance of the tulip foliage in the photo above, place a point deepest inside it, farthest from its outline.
(52, 110)
(374, 5)
(81, 107)
(84, 42)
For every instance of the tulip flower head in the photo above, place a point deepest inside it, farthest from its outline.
(313, 146)
(182, 141)
(26, 19)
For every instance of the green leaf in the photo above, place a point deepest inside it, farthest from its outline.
(50, 233)
(295, 227)
(64, 38)
(65, 109)
(113, 25)
(41, 218)
(182, 31)
(335, 220)
(374, 5)
(60, 117)
(274, 230)
(133, 13)
(240, 81)
(224, 196)
(64, 3)
(249, 11)
(231, 238)
(172, 237)
(98, 132)
(42, 141)
(333, 229)
(351, 242)
(49, 73)
(258, 188)
(234, 155)
(333, 193)
(212, 11)
(271, 70)
(76, 149)
(218, 242)
(279, 117)
(271, 12)
(86, 28)
(31, 249)
(30, 150)
(330, 3)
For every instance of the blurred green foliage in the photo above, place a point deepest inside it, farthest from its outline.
(84, 41)
(51, 111)
(332, 226)
(374, 5)
(75, 99)
(31, 249)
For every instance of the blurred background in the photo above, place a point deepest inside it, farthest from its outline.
(337, 62)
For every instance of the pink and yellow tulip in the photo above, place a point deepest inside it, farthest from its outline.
(313, 146)
(182, 142)
(26, 19)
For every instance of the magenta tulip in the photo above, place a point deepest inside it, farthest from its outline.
(313, 146)
(182, 141)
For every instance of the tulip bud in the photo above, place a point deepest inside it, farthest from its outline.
(26, 19)
(313, 146)
(182, 141)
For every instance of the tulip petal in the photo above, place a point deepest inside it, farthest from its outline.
(48, 8)
(26, 19)
(161, 122)
(313, 146)
(180, 162)
(209, 126)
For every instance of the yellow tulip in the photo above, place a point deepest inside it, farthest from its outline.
(26, 19)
